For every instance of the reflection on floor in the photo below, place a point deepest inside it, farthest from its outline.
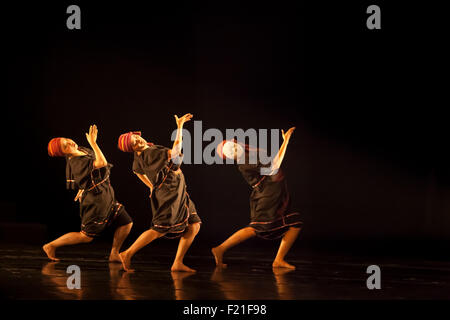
(25, 273)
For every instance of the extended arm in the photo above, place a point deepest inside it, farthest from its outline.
(178, 143)
(100, 160)
(276, 163)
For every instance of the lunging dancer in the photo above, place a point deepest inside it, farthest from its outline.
(88, 171)
(270, 213)
(174, 213)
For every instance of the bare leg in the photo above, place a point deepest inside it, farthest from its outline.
(120, 235)
(68, 239)
(286, 243)
(144, 239)
(183, 246)
(236, 238)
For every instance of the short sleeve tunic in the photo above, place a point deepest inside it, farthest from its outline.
(271, 214)
(98, 205)
(172, 208)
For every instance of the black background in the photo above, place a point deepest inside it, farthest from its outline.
(367, 165)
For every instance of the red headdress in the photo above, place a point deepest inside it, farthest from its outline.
(124, 142)
(54, 148)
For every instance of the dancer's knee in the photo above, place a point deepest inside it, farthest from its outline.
(157, 234)
(85, 238)
(129, 226)
(192, 230)
(195, 227)
(125, 228)
(251, 231)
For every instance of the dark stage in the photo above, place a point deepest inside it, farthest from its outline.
(367, 167)
(25, 273)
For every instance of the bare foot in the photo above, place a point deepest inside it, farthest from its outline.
(50, 252)
(114, 257)
(282, 264)
(126, 261)
(218, 255)
(179, 266)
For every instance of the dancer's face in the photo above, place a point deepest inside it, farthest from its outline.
(232, 150)
(138, 142)
(68, 146)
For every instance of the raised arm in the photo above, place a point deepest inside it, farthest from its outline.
(100, 160)
(276, 163)
(178, 143)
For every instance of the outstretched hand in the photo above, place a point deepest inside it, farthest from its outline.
(92, 135)
(183, 119)
(287, 135)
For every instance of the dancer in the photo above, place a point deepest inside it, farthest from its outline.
(89, 172)
(174, 213)
(270, 213)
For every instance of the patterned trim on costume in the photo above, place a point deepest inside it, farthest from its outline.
(119, 205)
(94, 185)
(259, 234)
(284, 225)
(259, 182)
(185, 221)
(90, 235)
(268, 222)
(173, 225)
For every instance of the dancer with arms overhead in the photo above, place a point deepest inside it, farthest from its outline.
(270, 213)
(174, 213)
(88, 172)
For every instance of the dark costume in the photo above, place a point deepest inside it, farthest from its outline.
(172, 208)
(98, 206)
(270, 204)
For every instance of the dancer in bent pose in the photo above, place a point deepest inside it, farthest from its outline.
(174, 213)
(270, 213)
(88, 171)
